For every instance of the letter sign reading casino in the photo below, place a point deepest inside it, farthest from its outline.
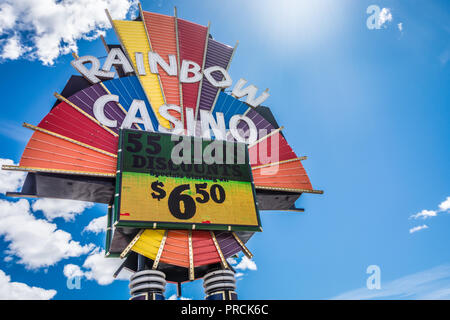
(95, 73)
(168, 181)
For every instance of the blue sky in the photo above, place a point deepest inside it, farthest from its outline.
(370, 109)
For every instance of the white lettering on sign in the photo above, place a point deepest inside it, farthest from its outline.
(155, 59)
(225, 83)
(207, 121)
(99, 109)
(140, 66)
(117, 58)
(238, 134)
(190, 72)
(132, 118)
(190, 68)
(239, 91)
(93, 74)
(177, 124)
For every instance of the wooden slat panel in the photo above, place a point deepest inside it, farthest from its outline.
(148, 243)
(49, 152)
(283, 149)
(128, 89)
(264, 127)
(217, 54)
(67, 121)
(227, 243)
(191, 43)
(163, 40)
(229, 106)
(204, 249)
(85, 99)
(289, 175)
(133, 36)
(176, 250)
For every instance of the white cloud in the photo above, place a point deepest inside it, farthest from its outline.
(52, 27)
(385, 16)
(445, 205)
(246, 264)
(10, 180)
(418, 228)
(12, 48)
(21, 291)
(424, 214)
(429, 284)
(7, 17)
(60, 208)
(72, 270)
(36, 242)
(97, 267)
(97, 225)
(400, 26)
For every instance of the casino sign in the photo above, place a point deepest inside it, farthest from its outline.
(184, 159)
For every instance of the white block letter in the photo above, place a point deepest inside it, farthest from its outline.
(191, 123)
(190, 67)
(234, 121)
(94, 75)
(250, 92)
(155, 59)
(177, 124)
(99, 109)
(225, 83)
(140, 63)
(207, 121)
(117, 58)
(131, 117)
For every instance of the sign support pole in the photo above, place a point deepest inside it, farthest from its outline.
(220, 285)
(147, 284)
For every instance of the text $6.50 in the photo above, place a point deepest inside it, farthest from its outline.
(176, 197)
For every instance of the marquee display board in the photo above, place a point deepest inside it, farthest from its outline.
(197, 193)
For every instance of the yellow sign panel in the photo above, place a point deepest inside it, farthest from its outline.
(133, 36)
(167, 199)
